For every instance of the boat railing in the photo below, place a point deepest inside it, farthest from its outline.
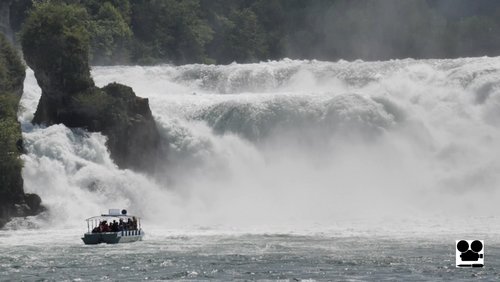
(122, 232)
(130, 232)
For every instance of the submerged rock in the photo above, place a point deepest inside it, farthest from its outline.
(56, 46)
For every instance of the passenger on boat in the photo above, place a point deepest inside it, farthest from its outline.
(104, 227)
(114, 226)
(134, 225)
(121, 225)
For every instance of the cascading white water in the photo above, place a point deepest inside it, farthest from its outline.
(287, 143)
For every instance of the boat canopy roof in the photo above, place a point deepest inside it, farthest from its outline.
(111, 216)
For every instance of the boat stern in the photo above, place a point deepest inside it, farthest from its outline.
(96, 238)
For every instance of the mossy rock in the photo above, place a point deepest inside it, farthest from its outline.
(12, 197)
(11, 84)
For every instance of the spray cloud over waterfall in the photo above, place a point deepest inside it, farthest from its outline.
(287, 142)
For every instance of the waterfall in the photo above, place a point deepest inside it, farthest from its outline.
(286, 142)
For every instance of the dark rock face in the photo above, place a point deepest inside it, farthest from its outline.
(55, 45)
(135, 140)
(115, 110)
(13, 201)
(34, 203)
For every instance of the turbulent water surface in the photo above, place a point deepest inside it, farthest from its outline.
(277, 170)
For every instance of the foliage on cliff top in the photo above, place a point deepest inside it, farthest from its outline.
(55, 41)
(56, 20)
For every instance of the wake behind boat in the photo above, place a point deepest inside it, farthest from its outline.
(112, 228)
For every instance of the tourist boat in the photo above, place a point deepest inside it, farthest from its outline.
(112, 228)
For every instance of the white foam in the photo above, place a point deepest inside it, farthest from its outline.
(288, 143)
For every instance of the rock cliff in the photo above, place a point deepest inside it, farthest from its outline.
(56, 46)
(13, 201)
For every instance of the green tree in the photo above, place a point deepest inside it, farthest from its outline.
(169, 30)
(110, 36)
(246, 41)
(194, 31)
(271, 15)
(239, 37)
